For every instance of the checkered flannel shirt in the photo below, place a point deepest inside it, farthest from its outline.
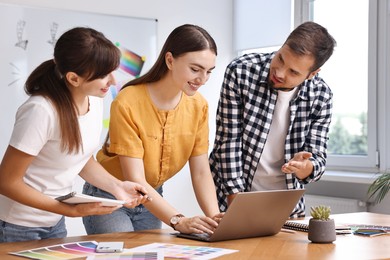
(244, 117)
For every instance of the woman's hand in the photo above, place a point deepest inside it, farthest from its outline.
(197, 224)
(133, 193)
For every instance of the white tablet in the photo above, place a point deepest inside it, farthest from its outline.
(77, 198)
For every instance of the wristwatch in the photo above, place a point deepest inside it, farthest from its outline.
(175, 220)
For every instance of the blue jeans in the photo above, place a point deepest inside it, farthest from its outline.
(121, 220)
(14, 233)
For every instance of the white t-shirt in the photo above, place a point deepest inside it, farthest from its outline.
(269, 175)
(52, 172)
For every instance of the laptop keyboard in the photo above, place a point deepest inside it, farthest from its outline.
(202, 237)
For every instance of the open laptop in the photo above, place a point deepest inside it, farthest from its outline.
(253, 214)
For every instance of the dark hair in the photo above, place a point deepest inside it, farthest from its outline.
(84, 51)
(183, 39)
(310, 38)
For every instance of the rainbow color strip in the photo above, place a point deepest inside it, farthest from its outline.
(131, 62)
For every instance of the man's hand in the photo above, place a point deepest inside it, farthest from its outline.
(300, 165)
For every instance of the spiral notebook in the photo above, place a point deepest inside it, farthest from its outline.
(298, 226)
(304, 226)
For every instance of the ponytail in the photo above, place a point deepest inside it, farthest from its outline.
(47, 81)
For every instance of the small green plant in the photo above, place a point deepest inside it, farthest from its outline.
(320, 212)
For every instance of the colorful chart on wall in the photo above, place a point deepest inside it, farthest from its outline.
(28, 36)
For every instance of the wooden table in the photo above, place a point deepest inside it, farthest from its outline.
(281, 246)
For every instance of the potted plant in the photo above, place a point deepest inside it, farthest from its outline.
(321, 228)
(380, 187)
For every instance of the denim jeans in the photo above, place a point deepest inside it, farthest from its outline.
(14, 233)
(121, 220)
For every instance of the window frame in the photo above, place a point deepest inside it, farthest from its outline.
(370, 162)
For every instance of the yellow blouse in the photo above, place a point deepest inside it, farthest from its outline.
(164, 139)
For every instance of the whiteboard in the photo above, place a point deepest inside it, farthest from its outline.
(28, 36)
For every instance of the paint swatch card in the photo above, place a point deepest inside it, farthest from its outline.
(85, 249)
(62, 251)
(129, 256)
(184, 251)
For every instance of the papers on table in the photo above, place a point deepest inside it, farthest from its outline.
(154, 251)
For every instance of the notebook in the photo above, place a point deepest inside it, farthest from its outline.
(303, 225)
(253, 214)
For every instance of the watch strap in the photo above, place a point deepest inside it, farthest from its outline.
(177, 216)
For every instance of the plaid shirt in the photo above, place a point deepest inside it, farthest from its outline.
(244, 118)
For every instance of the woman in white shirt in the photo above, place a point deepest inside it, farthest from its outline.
(56, 132)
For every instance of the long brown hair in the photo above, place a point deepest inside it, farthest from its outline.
(183, 39)
(84, 51)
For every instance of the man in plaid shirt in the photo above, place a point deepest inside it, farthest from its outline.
(273, 118)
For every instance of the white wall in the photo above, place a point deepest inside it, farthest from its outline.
(215, 16)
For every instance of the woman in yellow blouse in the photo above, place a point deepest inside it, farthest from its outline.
(158, 122)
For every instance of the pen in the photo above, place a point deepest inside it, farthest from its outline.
(143, 194)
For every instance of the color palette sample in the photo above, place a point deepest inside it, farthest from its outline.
(185, 251)
(63, 251)
(129, 256)
(153, 251)
(83, 250)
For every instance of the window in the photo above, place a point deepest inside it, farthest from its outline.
(351, 74)
(358, 75)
